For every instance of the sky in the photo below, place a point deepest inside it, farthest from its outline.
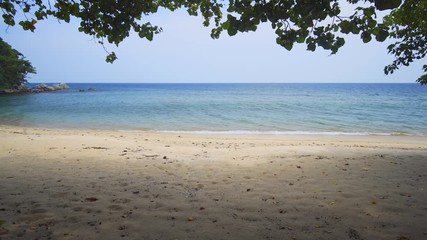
(185, 53)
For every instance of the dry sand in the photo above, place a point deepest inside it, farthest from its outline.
(92, 184)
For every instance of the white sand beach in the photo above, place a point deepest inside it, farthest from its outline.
(94, 184)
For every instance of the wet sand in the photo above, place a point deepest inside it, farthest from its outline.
(93, 184)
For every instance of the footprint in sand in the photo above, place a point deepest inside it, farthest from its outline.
(120, 200)
(115, 208)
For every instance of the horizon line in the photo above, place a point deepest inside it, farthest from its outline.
(227, 82)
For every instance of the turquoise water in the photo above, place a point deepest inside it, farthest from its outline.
(357, 109)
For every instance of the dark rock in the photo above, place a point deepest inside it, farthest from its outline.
(15, 90)
(35, 90)
(9, 91)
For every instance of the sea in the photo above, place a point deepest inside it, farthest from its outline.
(241, 108)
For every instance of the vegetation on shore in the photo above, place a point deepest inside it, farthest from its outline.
(13, 67)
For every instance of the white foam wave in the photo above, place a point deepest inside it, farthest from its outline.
(244, 132)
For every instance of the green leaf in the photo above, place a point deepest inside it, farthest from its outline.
(366, 37)
(340, 42)
(215, 33)
(226, 25)
(387, 4)
(8, 19)
(346, 26)
(300, 39)
(111, 57)
(27, 25)
(311, 47)
(355, 29)
(149, 36)
(336, 27)
(232, 31)
(263, 18)
(381, 36)
(372, 23)
(40, 15)
(284, 43)
(192, 12)
(252, 28)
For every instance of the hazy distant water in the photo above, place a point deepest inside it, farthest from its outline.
(266, 108)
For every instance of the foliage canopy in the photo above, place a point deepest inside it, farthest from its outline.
(13, 67)
(408, 24)
(311, 22)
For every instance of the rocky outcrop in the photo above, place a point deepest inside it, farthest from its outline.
(89, 90)
(19, 89)
(45, 88)
(36, 89)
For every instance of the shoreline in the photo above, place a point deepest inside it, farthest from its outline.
(417, 141)
(106, 184)
(243, 133)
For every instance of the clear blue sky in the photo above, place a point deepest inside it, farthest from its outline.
(184, 52)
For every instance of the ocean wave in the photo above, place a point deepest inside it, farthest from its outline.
(245, 132)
